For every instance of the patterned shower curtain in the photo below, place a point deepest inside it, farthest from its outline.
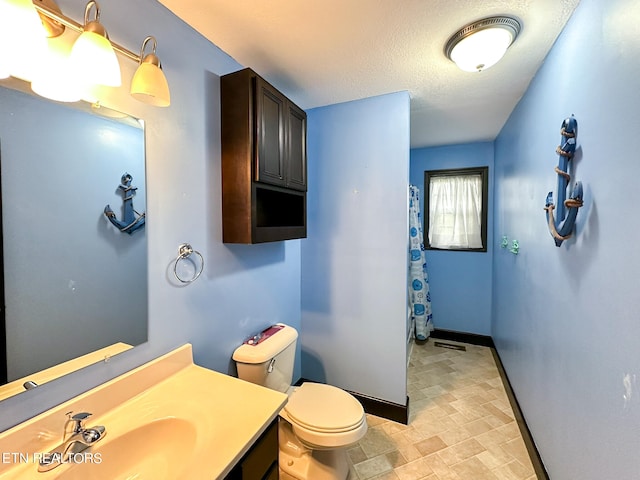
(419, 297)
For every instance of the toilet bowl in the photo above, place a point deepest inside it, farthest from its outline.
(318, 422)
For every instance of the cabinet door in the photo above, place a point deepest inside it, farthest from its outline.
(261, 462)
(296, 157)
(270, 133)
(274, 473)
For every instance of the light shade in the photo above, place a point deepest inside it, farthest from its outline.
(57, 78)
(4, 59)
(23, 38)
(482, 44)
(92, 54)
(149, 85)
(4, 48)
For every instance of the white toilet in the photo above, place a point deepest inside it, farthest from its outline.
(318, 422)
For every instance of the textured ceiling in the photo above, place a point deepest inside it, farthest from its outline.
(330, 51)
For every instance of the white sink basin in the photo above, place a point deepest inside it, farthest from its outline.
(157, 450)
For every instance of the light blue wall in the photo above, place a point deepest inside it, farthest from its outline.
(354, 261)
(566, 319)
(459, 282)
(243, 288)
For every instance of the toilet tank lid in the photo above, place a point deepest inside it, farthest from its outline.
(266, 345)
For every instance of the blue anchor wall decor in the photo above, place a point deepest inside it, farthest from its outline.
(132, 220)
(561, 225)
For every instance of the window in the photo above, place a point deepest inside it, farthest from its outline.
(456, 209)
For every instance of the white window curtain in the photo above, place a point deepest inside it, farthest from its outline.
(455, 211)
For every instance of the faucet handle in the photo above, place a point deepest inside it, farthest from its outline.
(78, 419)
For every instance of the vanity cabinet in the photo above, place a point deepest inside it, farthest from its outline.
(261, 461)
(264, 162)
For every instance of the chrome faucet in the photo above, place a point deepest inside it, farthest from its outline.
(79, 440)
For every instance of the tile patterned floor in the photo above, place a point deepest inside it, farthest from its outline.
(461, 425)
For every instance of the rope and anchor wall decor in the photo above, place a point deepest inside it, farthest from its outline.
(131, 220)
(561, 224)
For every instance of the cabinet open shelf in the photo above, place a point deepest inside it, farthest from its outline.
(279, 215)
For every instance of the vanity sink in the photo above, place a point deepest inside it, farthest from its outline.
(157, 450)
(168, 419)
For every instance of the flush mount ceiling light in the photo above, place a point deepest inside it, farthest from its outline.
(481, 44)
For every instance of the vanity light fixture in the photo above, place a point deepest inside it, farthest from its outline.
(92, 54)
(481, 44)
(56, 78)
(22, 36)
(48, 75)
(149, 85)
(4, 61)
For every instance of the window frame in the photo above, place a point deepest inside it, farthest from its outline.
(451, 172)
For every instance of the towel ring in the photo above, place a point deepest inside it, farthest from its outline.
(184, 251)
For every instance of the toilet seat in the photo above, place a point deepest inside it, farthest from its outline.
(324, 416)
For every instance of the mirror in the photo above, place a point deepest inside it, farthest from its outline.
(75, 286)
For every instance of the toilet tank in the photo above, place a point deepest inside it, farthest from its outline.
(267, 358)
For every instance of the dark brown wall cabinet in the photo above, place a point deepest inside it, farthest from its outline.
(261, 462)
(264, 162)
